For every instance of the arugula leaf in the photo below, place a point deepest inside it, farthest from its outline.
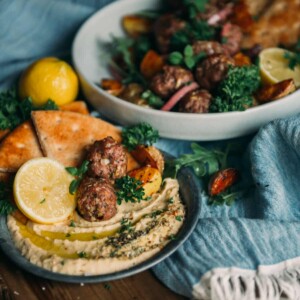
(14, 111)
(6, 207)
(78, 173)
(203, 161)
(129, 190)
(140, 134)
(234, 93)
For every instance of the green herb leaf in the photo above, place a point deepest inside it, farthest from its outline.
(82, 254)
(234, 93)
(6, 206)
(175, 58)
(43, 201)
(129, 190)
(141, 134)
(152, 99)
(78, 173)
(293, 59)
(72, 223)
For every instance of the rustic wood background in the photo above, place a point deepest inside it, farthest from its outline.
(17, 284)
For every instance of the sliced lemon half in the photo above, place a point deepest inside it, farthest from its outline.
(41, 191)
(274, 66)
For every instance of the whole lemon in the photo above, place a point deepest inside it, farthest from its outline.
(49, 78)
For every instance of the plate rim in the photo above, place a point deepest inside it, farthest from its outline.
(6, 244)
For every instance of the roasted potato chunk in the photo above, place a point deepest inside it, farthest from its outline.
(275, 91)
(151, 64)
(150, 177)
(149, 155)
(112, 86)
(136, 25)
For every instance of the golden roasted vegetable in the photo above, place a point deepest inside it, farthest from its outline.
(136, 25)
(149, 155)
(275, 91)
(112, 86)
(150, 177)
(241, 59)
(151, 64)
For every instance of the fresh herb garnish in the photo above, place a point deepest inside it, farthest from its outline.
(68, 234)
(187, 58)
(226, 197)
(152, 99)
(141, 134)
(72, 223)
(43, 201)
(234, 93)
(193, 31)
(194, 7)
(14, 111)
(178, 218)
(126, 225)
(172, 237)
(129, 190)
(6, 207)
(171, 200)
(78, 174)
(82, 254)
(293, 58)
(203, 161)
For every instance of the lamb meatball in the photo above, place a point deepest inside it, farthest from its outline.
(164, 28)
(212, 70)
(207, 47)
(232, 34)
(96, 199)
(170, 80)
(197, 101)
(107, 159)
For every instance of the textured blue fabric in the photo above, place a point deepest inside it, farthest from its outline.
(260, 228)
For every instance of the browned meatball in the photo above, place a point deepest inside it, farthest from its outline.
(232, 36)
(107, 159)
(96, 199)
(207, 47)
(164, 28)
(197, 101)
(170, 80)
(212, 70)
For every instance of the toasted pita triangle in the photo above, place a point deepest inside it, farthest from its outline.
(18, 147)
(65, 135)
(76, 106)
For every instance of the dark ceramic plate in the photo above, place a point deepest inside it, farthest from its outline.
(189, 190)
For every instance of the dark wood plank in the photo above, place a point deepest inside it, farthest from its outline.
(18, 284)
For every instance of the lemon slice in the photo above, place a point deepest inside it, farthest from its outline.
(41, 191)
(274, 67)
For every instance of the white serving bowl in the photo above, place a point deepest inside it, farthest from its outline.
(90, 63)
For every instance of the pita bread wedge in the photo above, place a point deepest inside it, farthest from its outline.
(64, 135)
(18, 147)
(76, 106)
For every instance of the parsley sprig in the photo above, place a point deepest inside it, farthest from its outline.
(6, 207)
(234, 93)
(187, 58)
(78, 173)
(140, 134)
(14, 111)
(129, 189)
(293, 58)
(152, 99)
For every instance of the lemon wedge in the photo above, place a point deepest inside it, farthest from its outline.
(41, 191)
(274, 67)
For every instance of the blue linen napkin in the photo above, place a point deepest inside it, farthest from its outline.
(251, 248)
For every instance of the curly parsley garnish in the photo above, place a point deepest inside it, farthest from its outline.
(141, 134)
(129, 190)
(14, 111)
(6, 207)
(234, 93)
(78, 174)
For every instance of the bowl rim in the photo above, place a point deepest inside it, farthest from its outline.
(159, 113)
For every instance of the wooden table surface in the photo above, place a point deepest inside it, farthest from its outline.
(18, 284)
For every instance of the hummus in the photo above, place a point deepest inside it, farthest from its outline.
(78, 247)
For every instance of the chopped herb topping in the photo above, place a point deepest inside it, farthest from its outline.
(78, 174)
(129, 189)
(43, 201)
(68, 234)
(82, 254)
(171, 200)
(72, 223)
(152, 99)
(178, 218)
(140, 134)
(172, 237)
